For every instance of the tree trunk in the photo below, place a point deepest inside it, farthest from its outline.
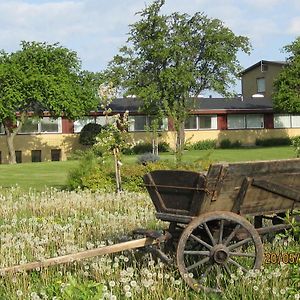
(11, 130)
(180, 139)
(117, 170)
(11, 148)
(155, 143)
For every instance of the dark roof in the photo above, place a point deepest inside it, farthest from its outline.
(282, 63)
(201, 104)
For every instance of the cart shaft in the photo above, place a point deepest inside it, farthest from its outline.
(80, 255)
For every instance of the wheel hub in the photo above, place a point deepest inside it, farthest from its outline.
(220, 254)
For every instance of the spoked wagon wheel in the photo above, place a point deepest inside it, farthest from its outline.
(215, 247)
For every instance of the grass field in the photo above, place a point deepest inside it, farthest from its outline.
(36, 225)
(36, 175)
(39, 175)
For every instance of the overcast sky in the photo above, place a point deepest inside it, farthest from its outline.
(96, 29)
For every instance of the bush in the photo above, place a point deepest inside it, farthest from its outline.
(76, 155)
(273, 142)
(147, 158)
(296, 145)
(97, 180)
(163, 147)
(227, 144)
(146, 147)
(87, 164)
(203, 145)
(88, 134)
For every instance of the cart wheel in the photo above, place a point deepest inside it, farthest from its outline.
(216, 245)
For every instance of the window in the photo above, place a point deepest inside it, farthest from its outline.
(162, 124)
(102, 120)
(261, 85)
(79, 124)
(282, 121)
(255, 121)
(137, 123)
(43, 125)
(191, 122)
(48, 124)
(200, 122)
(36, 155)
(31, 125)
(296, 121)
(18, 156)
(142, 123)
(55, 154)
(236, 121)
(207, 122)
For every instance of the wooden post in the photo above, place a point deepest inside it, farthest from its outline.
(117, 170)
(80, 255)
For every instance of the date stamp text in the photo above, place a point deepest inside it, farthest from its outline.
(281, 257)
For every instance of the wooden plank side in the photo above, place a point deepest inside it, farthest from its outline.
(286, 172)
(279, 189)
(259, 201)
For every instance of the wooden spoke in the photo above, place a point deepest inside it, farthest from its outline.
(204, 275)
(230, 260)
(201, 241)
(221, 231)
(239, 244)
(199, 263)
(241, 254)
(227, 268)
(231, 236)
(220, 253)
(188, 252)
(218, 277)
(209, 234)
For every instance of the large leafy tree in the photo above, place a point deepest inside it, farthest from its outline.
(169, 58)
(41, 77)
(286, 96)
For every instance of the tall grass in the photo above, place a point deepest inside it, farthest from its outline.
(39, 225)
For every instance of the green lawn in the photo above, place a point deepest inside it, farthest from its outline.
(36, 175)
(39, 175)
(231, 155)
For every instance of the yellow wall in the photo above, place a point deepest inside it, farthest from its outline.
(69, 142)
(249, 85)
(246, 137)
(44, 142)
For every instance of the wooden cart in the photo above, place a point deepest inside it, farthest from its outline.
(207, 215)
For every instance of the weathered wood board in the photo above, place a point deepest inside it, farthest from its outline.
(228, 181)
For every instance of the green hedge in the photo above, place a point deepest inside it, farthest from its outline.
(273, 142)
(227, 144)
(142, 148)
(203, 145)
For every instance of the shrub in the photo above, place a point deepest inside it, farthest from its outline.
(163, 147)
(146, 147)
(227, 144)
(76, 155)
(273, 142)
(146, 158)
(88, 134)
(203, 145)
(296, 145)
(87, 164)
(97, 179)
